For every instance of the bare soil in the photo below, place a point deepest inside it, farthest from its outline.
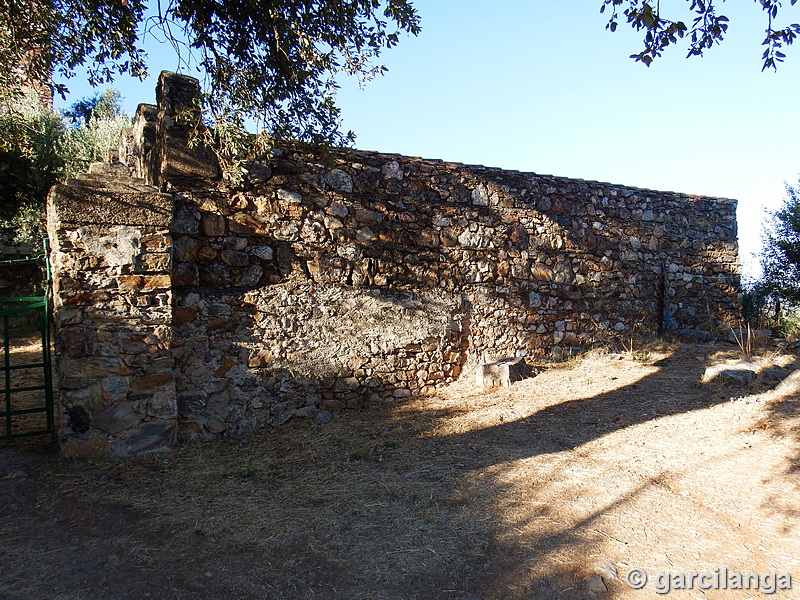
(513, 494)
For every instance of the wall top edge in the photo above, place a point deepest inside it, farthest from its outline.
(436, 162)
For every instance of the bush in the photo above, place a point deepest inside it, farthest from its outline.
(39, 147)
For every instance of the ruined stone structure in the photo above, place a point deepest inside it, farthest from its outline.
(190, 307)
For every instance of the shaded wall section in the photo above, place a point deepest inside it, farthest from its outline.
(112, 298)
(329, 278)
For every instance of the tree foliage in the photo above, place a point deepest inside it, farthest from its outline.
(105, 105)
(39, 146)
(38, 38)
(272, 60)
(95, 128)
(702, 29)
(31, 153)
(780, 258)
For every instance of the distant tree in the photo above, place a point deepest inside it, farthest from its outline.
(31, 153)
(702, 29)
(39, 146)
(96, 124)
(773, 300)
(275, 61)
(105, 105)
(780, 259)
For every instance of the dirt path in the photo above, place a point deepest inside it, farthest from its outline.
(512, 495)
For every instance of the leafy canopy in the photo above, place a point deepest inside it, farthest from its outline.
(271, 60)
(39, 146)
(105, 105)
(31, 153)
(705, 28)
(780, 257)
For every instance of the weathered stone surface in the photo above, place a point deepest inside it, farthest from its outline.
(90, 368)
(112, 300)
(186, 220)
(114, 389)
(607, 570)
(329, 279)
(251, 276)
(594, 583)
(258, 173)
(502, 373)
(172, 156)
(148, 437)
(322, 417)
(147, 263)
(77, 203)
(289, 196)
(392, 170)
(737, 376)
(212, 224)
(339, 180)
(775, 374)
(117, 418)
(262, 252)
(737, 373)
(185, 274)
(697, 336)
(148, 383)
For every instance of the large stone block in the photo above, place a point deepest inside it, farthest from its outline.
(93, 367)
(117, 418)
(147, 437)
(75, 203)
(502, 373)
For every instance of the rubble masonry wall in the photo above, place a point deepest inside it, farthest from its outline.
(329, 278)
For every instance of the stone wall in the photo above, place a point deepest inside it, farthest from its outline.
(329, 278)
(111, 258)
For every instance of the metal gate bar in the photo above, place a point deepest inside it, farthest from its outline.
(29, 303)
(18, 306)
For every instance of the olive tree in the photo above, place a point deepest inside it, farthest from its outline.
(274, 61)
(39, 146)
(698, 23)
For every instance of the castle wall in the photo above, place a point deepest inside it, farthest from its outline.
(330, 278)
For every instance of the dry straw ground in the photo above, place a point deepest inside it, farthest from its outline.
(510, 495)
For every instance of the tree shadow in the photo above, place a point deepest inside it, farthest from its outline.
(529, 549)
(781, 420)
(570, 424)
(391, 501)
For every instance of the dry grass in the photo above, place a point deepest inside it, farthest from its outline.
(512, 494)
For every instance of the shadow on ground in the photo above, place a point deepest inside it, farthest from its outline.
(390, 502)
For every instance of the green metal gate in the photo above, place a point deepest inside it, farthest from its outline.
(27, 383)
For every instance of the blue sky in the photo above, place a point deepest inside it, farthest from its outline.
(543, 87)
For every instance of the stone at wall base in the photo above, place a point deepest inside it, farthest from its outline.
(748, 337)
(149, 437)
(89, 447)
(117, 418)
(734, 376)
(502, 373)
(693, 336)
